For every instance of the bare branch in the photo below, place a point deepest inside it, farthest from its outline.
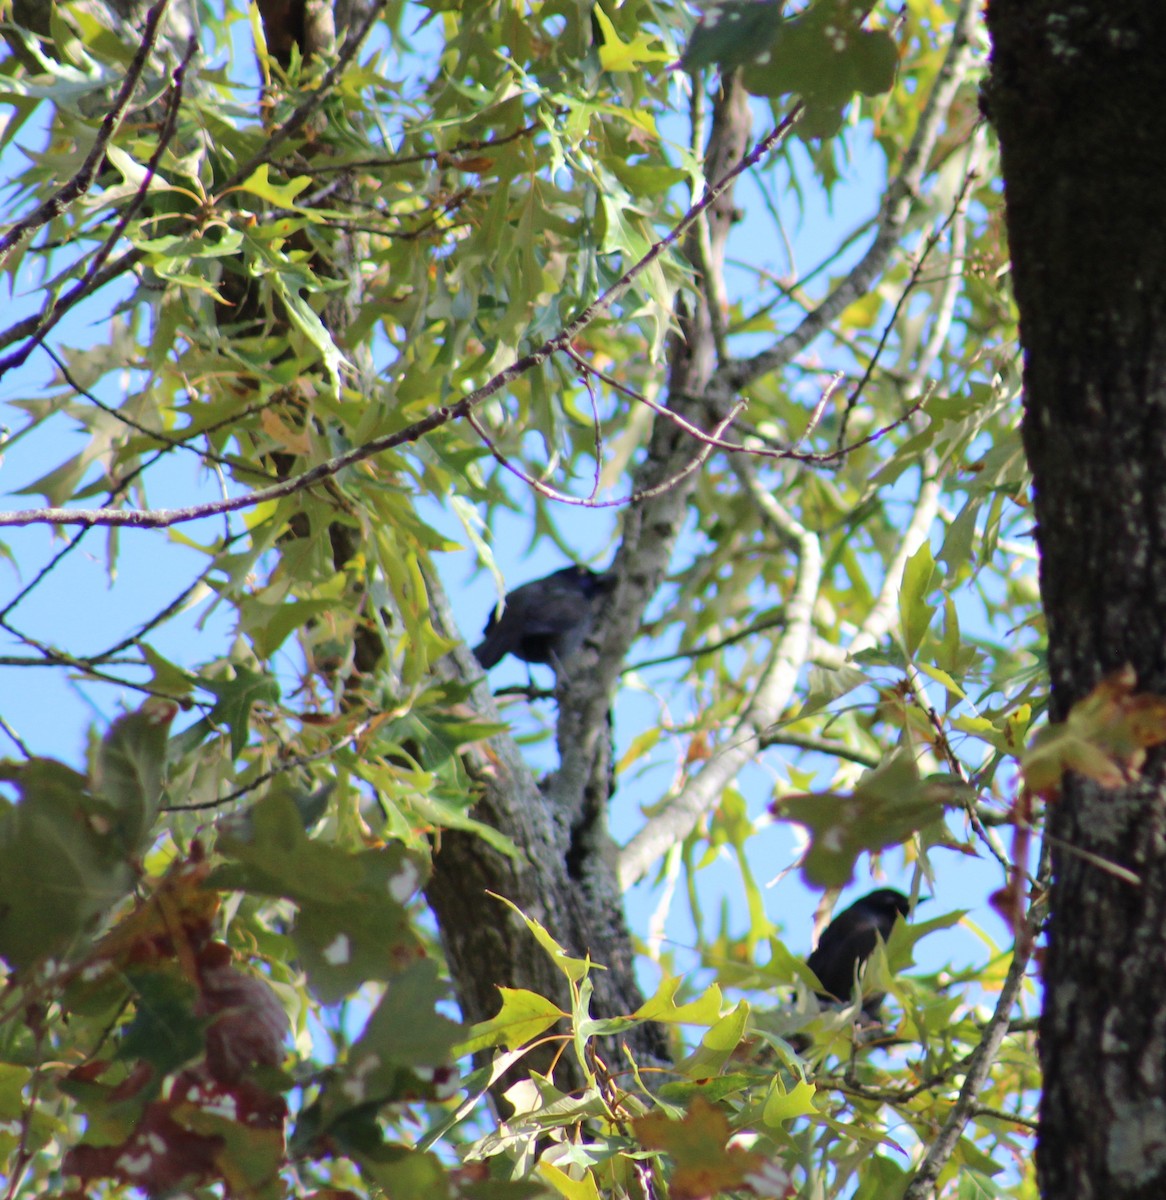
(59, 658)
(709, 440)
(748, 448)
(822, 745)
(320, 93)
(15, 738)
(235, 462)
(958, 216)
(885, 611)
(444, 158)
(40, 323)
(773, 692)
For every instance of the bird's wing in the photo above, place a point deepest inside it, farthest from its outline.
(843, 946)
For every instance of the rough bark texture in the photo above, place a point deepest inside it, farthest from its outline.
(1076, 97)
(568, 879)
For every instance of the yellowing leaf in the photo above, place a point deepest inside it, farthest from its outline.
(284, 195)
(889, 804)
(523, 1016)
(617, 55)
(781, 1105)
(572, 1189)
(717, 1045)
(705, 1010)
(574, 968)
(942, 677)
(288, 439)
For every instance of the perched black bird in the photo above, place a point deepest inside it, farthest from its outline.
(848, 941)
(546, 620)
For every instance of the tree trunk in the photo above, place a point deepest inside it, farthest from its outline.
(1076, 95)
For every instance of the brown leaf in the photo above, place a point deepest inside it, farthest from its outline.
(1104, 738)
(698, 1145)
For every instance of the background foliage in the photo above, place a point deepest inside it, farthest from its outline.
(424, 270)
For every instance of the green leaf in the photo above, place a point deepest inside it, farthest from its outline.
(575, 969)
(618, 55)
(234, 699)
(782, 1105)
(956, 552)
(568, 1188)
(825, 57)
(63, 860)
(731, 33)
(353, 923)
(914, 612)
(718, 1044)
(165, 1031)
(705, 1010)
(166, 676)
(281, 195)
(13, 1079)
(344, 945)
(405, 1032)
(524, 1015)
(942, 677)
(881, 1179)
(887, 807)
(129, 768)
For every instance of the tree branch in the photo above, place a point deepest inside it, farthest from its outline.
(980, 1064)
(164, 518)
(680, 816)
(897, 207)
(83, 179)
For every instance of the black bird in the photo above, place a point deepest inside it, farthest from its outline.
(546, 620)
(848, 941)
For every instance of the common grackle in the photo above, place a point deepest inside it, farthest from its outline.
(546, 620)
(848, 941)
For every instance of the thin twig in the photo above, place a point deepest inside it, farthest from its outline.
(897, 207)
(443, 158)
(291, 764)
(321, 92)
(59, 658)
(957, 214)
(707, 648)
(980, 1064)
(174, 443)
(83, 179)
(751, 451)
(102, 253)
(164, 518)
(1001, 1114)
(709, 442)
(822, 745)
(679, 817)
(39, 324)
(16, 738)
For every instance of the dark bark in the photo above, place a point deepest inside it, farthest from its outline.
(487, 945)
(1076, 97)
